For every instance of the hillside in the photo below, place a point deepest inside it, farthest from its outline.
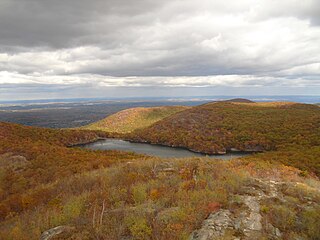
(81, 194)
(222, 126)
(134, 118)
(218, 127)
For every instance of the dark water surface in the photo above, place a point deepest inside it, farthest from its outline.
(153, 150)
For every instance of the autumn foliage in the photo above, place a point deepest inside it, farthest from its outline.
(221, 126)
(224, 126)
(45, 183)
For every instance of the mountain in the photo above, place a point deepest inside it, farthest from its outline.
(134, 118)
(49, 190)
(221, 126)
(239, 100)
(215, 128)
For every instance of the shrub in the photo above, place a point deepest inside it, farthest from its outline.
(282, 217)
(264, 209)
(311, 223)
(139, 193)
(139, 228)
(154, 194)
(73, 208)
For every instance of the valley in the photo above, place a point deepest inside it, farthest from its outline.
(75, 114)
(159, 120)
(50, 190)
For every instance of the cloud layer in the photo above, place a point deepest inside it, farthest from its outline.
(160, 43)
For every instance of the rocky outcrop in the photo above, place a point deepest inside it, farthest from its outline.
(245, 224)
(252, 222)
(49, 234)
(214, 226)
(14, 162)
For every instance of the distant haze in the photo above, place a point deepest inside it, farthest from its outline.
(144, 48)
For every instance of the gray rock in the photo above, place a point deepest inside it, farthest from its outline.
(253, 222)
(246, 224)
(277, 232)
(273, 231)
(214, 226)
(53, 232)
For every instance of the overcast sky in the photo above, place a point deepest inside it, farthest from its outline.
(111, 48)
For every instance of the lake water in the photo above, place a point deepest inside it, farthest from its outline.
(153, 150)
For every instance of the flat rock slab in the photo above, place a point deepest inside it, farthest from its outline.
(214, 226)
(253, 221)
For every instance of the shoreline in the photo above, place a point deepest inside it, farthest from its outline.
(164, 145)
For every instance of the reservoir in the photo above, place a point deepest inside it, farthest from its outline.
(153, 150)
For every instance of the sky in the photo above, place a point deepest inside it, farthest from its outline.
(145, 48)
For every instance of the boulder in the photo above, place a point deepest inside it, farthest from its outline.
(46, 235)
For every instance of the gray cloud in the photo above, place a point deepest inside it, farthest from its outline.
(173, 43)
(69, 23)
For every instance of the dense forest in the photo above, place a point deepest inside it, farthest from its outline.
(215, 128)
(45, 183)
(132, 119)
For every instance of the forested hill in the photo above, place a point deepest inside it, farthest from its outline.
(134, 118)
(50, 190)
(222, 126)
(19, 133)
(32, 159)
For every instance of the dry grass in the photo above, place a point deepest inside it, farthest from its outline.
(134, 118)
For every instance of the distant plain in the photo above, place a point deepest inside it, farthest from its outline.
(69, 113)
